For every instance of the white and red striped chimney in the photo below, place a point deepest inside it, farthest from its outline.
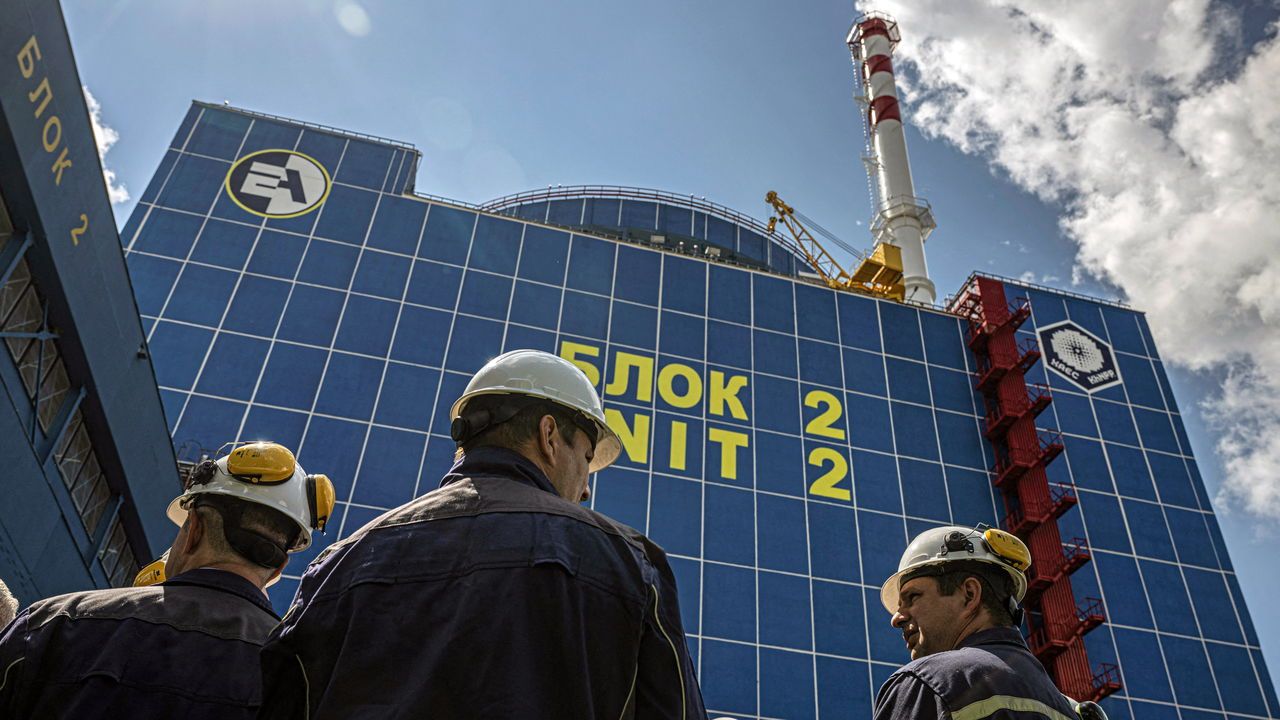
(901, 218)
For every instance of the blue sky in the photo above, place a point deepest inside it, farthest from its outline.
(1050, 141)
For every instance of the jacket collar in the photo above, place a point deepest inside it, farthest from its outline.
(994, 636)
(224, 581)
(498, 462)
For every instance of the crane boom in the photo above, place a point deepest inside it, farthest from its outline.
(878, 274)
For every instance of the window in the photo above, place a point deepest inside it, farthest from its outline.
(785, 612)
(564, 212)
(729, 675)
(365, 164)
(225, 244)
(350, 215)
(53, 391)
(729, 344)
(117, 558)
(398, 224)
(584, 315)
(591, 264)
(496, 245)
(729, 602)
(22, 313)
(774, 353)
(773, 304)
(783, 544)
(676, 521)
(389, 470)
(382, 274)
(622, 494)
(684, 285)
(277, 254)
(636, 277)
(44, 377)
(82, 474)
(907, 381)
(600, 211)
(544, 255)
(900, 327)
(218, 134)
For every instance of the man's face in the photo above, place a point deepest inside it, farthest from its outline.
(571, 472)
(930, 621)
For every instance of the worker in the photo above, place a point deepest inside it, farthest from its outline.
(188, 646)
(955, 599)
(8, 605)
(497, 595)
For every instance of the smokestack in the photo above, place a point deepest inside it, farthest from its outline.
(901, 218)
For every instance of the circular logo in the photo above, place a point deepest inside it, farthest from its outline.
(1077, 350)
(278, 183)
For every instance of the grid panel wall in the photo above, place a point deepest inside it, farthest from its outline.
(783, 441)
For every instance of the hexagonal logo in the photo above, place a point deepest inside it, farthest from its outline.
(1078, 355)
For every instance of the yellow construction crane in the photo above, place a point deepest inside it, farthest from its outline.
(878, 274)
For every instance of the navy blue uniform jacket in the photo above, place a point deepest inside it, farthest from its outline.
(491, 597)
(187, 648)
(991, 674)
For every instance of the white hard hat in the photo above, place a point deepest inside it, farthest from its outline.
(952, 543)
(267, 474)
(539, 374)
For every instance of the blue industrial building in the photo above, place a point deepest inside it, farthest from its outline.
(87, 467)
(782, 439)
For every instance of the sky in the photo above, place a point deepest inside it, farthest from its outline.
(1121, 150)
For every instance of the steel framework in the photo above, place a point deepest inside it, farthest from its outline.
(1056, 623)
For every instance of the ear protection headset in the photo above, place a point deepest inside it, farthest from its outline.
(268, 464)
(261, 469)
(471, 424)
(320, 500)
(1006, 548)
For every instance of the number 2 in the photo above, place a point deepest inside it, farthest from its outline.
(826, 486)
(822, 425)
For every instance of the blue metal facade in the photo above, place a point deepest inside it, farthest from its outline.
(86, 464)
(783, 440)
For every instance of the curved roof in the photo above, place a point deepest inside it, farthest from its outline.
(685, 222)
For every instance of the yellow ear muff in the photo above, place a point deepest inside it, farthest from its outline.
(152, 574)
(321, 496)
(1008, 547)
(261, 463)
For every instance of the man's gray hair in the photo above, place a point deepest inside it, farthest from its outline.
(8, 605)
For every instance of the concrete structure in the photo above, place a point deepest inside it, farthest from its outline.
(87, 468)
(901, 219)
(782, 439)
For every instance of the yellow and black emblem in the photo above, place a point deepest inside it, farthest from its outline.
(278, 183)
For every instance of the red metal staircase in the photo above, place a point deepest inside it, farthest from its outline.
(1056, 623)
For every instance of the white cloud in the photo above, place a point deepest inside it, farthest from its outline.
(105, 137)
(1163, 160)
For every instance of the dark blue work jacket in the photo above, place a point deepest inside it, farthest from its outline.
(187, 648)
(991, 674)
(491, 597)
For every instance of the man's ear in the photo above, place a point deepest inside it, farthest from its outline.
(195, 532)
(547, 441)
(972, 589)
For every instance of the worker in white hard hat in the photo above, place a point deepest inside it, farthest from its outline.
(955, 598)
(185, 641)
(497, 595)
